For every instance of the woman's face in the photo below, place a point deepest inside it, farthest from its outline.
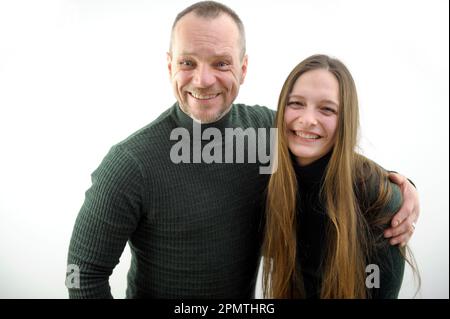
(311, 115)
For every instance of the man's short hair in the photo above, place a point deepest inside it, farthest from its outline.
(211, 10)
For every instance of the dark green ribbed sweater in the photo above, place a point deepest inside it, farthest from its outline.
(194, 229)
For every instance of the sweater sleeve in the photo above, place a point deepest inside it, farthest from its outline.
(109, 215)
(389, 258)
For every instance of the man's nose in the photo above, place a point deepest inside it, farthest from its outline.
(204, 76)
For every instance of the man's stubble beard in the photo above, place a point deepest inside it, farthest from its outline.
(209, 119)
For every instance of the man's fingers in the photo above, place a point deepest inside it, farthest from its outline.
(405, 212)
(407, 206)
(407, 226)
(401, 234)
(403, 223)
(397, 178)
(402, 239)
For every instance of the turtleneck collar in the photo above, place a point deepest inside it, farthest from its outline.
(311, 174)
(184, 120)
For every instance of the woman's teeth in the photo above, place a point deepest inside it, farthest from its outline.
(307, 135)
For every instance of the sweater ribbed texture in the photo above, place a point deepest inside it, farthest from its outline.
(194, 229)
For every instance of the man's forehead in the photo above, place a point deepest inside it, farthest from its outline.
(201, 41)
(191, 23)
(194, 18)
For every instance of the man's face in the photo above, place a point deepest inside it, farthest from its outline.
(205, 65)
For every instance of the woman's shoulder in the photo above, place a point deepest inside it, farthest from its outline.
(395, 199)
(377, 195)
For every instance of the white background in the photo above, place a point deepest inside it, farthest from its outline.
(77, 77)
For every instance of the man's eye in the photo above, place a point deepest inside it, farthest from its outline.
(186, 63)
(222, 65)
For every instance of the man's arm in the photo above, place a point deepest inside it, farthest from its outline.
(109, 215)
(403, 223)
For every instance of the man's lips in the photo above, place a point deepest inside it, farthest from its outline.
(203, 97)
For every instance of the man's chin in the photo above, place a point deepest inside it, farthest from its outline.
(206, 118)
(205, 115)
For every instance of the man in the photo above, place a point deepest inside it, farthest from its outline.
(194, 228)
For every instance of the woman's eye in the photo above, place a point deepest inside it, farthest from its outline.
(295, 103)
(329, 110)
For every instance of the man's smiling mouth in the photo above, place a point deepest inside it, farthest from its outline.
(203, 97)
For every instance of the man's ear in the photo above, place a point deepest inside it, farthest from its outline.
(169, 63)
(244, 68)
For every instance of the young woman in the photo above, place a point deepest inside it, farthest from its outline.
(327, 206)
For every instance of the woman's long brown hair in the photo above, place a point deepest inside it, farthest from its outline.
(349, 239)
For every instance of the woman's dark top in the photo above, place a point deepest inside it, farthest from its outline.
(312, 221)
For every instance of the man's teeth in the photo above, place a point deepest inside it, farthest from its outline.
(203, 97)
(306, 135)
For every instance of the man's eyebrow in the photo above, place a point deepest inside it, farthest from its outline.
(225, 56)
